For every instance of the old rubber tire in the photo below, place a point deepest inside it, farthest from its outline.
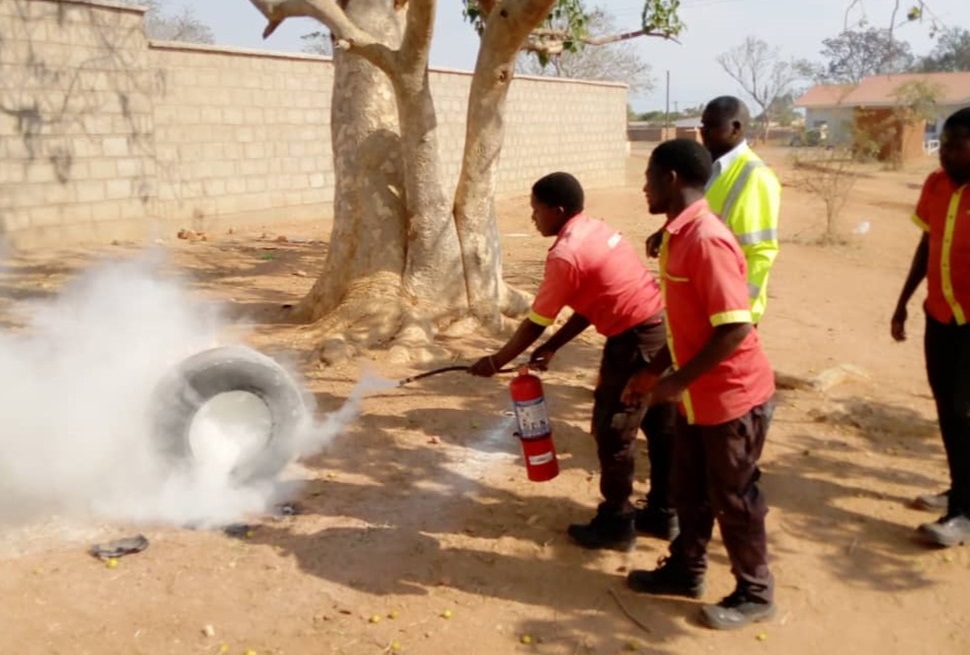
(201, 377)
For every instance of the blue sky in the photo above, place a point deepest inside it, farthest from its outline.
(713, 26)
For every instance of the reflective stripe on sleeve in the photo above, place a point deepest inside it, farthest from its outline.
(733, 316)
(751, 238)
(541, 320)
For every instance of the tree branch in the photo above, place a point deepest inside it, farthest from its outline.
(552, 42)
(347, 35)
(852, 5)
(892, 20)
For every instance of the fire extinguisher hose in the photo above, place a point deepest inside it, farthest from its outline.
(446, 369)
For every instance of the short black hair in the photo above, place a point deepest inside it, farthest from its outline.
(731, 108)
(959, 118)
(686, 157)
(560, 190)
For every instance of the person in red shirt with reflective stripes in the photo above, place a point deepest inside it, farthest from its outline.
(943, 258)
(592, 269)
(725, 385)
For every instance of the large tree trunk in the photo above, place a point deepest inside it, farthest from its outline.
(505, 31)
(432, 274)
(393, 271)
(361, 279)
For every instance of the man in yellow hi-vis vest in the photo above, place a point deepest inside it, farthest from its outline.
(743, 191)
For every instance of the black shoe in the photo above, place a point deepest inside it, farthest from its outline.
(933, 502)
(659, 523)
(668, 579)
(605, 532)
(736, 611)
(951, 530)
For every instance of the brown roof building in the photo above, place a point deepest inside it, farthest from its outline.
(880, 108)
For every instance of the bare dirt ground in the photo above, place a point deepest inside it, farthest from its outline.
(421, 514)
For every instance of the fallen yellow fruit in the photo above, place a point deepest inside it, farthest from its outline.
(395, 645)
(250, 652)
(393, 614)
(762, 636)
(223, 648)
(375, 619)
(111, 562)
(526, 639)
(446, 614)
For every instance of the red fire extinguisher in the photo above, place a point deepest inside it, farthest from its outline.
(534, 429)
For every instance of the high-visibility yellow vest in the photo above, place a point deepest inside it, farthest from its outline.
(747, 197)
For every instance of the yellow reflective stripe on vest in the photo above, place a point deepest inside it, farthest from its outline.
(664, 250)
(738, 187)
(751, 238)
(945, 268)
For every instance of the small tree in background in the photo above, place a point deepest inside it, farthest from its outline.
(182, 25)
(763, 74)
(829, 174)
(951, 53)
(859, 53)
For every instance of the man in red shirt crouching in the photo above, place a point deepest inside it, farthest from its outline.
(724, 384)
(595, 271)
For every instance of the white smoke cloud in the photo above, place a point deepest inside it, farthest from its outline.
(76, 387)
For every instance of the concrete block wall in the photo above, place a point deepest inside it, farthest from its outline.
(104, 134)
(575, 126)
(241, 132)
(76, 133)
(551, 124)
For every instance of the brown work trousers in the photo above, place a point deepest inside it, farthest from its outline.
(615, 426)
(715, 476)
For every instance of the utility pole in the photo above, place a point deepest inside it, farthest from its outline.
(667, 107)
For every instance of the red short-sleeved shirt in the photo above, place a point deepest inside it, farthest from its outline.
(593, 269)
(705, 284)
(943, 211)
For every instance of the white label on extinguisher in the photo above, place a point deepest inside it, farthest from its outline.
(539, 460)
(532, 417)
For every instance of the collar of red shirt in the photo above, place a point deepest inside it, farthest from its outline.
(565, 228)
(691, 212)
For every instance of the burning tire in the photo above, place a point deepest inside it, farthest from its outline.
(204, 376)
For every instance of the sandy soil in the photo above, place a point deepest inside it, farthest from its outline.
(422, 508)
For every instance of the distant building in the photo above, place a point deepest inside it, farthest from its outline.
(870, 110)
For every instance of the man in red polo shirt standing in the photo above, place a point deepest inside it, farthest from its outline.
(943, 258)
(725, 386)
(595, 271)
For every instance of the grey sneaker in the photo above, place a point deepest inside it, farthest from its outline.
(736, 611)
(932, 502)
(951, 530)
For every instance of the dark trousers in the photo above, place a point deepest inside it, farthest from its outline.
(947, 349)
(715, 476)
(615, 426)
